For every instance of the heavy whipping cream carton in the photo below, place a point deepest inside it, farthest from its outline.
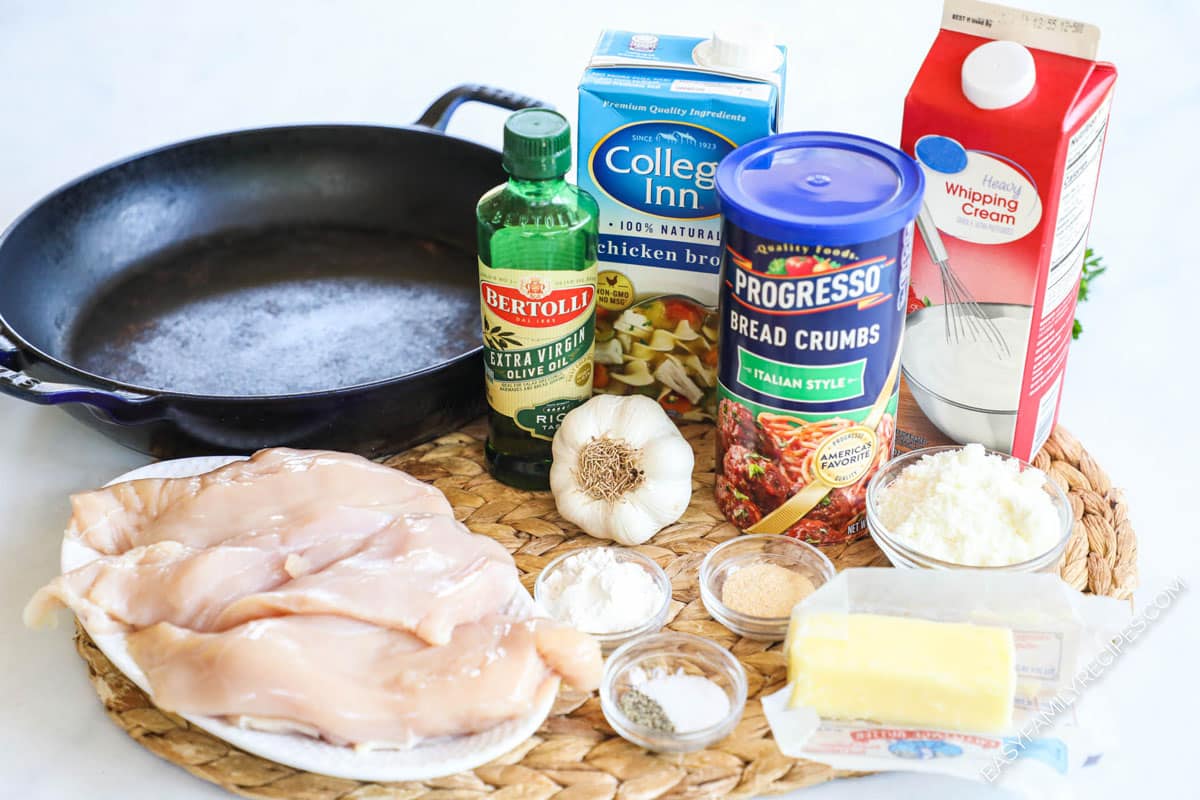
(1007, 118)
(656, 115)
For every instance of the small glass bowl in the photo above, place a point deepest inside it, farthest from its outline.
(671, 652)
(611, 641)
(905, 557)
(743, 551)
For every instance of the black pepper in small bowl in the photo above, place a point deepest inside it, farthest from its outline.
(643, 710)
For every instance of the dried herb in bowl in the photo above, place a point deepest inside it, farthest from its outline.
(643, 710)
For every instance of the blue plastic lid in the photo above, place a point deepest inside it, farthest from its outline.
(816, 187)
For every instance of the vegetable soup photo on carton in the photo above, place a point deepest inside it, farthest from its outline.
(663, 347)
(657, 114)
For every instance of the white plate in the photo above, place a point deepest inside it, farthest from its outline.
(429, 759)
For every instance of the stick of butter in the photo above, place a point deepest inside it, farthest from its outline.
(903, 671)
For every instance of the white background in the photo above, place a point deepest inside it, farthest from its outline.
(84, 83)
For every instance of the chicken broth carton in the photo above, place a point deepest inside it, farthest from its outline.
(1007, 118)
(656, 115)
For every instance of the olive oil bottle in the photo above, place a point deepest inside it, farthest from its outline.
(537, 285)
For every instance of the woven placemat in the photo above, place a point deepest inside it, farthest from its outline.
(575, 755)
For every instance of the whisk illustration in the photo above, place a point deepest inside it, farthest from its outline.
(964, 318)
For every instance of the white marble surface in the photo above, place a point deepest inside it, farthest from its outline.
(84, 83)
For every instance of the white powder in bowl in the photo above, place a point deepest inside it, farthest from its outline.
(592, 591)
(970, 507)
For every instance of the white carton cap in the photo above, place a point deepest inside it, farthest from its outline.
(746, 47)
(998, 74)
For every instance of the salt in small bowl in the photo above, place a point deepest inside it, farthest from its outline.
(670, 653)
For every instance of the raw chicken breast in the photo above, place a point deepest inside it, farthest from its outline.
(172, 582)
(242, 497)
(574, 656)
(162, 581)
(423, 573)
(315, 593)
(355, 683)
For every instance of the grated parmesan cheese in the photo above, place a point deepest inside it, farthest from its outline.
(970, 507)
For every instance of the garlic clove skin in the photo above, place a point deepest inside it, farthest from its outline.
(639, 420)
(667, 461)
(579, 508)
(668, 456)
(665, 500)
(578, 429)
(629, 523)
(655, 516)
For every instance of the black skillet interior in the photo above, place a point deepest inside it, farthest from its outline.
(266, 262)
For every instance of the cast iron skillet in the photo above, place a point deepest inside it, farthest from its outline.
(312, 286)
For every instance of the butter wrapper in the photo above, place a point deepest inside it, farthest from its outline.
(1061, 638)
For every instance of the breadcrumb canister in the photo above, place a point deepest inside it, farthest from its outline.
(818, 236)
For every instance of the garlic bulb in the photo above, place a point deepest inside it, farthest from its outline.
(621, 470)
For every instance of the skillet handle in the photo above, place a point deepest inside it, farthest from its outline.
(437, 116)
(117, 404)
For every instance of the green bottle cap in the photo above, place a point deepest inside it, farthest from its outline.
(537, 144)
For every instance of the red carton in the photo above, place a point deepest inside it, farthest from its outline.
(1007, 118)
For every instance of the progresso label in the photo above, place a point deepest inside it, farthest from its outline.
(812, 329)
(808, 352)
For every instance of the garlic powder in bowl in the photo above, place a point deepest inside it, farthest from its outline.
(613, 593)
(946, 507)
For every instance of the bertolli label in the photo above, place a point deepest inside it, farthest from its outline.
(538, 328)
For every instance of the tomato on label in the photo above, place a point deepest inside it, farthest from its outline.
(798, 266)
(677, 310)
(914, 302)
(600, 377)
(675, 402)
